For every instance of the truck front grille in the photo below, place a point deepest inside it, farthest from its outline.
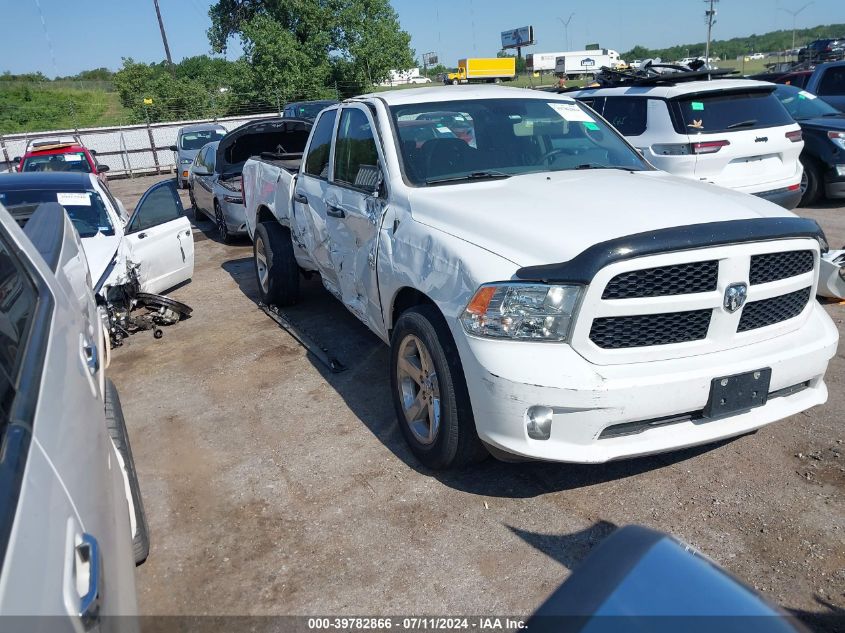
(776, 266)
(650, 329)
(664, 281)
(770, 311)
(673, 305)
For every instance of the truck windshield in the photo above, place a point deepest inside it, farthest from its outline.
(803, 105)
(463, 141)
(85, 208)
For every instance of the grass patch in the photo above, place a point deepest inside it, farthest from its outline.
(36, 107)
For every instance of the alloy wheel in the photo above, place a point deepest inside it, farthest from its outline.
(419, 389)
(261, 265)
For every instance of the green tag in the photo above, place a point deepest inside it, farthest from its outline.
(697, 105)
(591, 126)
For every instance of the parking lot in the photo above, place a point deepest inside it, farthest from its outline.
(273, 486)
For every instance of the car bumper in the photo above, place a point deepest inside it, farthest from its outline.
(234, 213)
(786, 197)
(834, 185)
(506, 378)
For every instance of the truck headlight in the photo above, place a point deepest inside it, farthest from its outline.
(522, 311)
(186, 161)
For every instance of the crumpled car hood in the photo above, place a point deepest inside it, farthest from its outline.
(99, 251)
(547, 218)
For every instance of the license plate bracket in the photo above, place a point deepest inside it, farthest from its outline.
(731, 395)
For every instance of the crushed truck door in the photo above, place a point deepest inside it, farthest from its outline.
(159, 239)
(353, 221)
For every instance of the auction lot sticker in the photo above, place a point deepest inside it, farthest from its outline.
(73, 199)
(571, 112)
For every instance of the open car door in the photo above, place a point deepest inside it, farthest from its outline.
(159, 239)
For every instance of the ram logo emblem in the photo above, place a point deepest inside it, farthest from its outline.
(735, 297)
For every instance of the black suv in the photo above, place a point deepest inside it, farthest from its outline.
(824, 50)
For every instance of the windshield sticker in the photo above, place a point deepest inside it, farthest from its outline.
(591, 126)
(806, 95)
(74, 199)
(697, 124)
(571, 112)
(72, 158)
(697, 105)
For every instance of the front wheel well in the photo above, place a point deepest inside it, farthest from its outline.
(264, 215)
(406, 299)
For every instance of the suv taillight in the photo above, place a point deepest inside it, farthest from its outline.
(708, 147)
(795, 136)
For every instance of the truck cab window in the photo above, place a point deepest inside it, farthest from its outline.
(317, 161)
(356, 157)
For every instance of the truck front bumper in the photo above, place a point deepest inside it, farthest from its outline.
(659, 402)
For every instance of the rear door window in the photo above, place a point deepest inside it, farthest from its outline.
(356, 156)
(626, 114)
(833, 82)
(733, 111)
(317, 160)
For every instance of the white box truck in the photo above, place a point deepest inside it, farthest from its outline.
(575, 64)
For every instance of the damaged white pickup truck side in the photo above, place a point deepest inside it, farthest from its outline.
(545, 292)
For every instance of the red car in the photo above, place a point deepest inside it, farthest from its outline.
(66, 155)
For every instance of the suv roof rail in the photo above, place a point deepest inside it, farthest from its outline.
(654, 74)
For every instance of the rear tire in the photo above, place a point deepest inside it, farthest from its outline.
(198, 215)
(117, 431)
(275, 265)
(811, 182)
(422, 337)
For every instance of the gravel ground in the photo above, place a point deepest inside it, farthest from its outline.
(275, 487)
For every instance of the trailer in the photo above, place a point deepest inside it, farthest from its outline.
(542, 62)
(577, 64)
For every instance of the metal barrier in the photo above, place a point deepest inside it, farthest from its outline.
(128, 150)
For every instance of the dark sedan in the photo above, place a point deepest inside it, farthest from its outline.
(823, 128)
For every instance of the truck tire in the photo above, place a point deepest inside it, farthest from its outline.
(811, 184)
(455, 82)
(430, 393)
(276, 269)
(117, 431)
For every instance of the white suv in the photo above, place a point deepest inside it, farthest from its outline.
(729, 132)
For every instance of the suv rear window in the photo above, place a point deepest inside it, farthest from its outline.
(720, 112)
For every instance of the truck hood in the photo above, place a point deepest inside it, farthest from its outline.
(547, 218)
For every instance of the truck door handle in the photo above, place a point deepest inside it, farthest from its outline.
(300, 198)
(88, 555)
(92, 359)
(335, 212)
(141, 236)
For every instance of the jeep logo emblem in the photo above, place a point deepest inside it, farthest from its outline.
(761, 139)
(735, 297)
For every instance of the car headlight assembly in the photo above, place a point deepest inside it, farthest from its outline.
(522, 311)
(186, 161)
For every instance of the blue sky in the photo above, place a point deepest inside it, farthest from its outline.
(87, 33)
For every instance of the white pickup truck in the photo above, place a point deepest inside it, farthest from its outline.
(545, 292)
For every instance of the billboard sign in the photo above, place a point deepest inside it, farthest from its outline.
(517, 38)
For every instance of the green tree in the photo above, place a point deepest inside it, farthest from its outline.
(308, 47)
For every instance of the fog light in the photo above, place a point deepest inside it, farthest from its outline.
(840, 170)
(538, 422)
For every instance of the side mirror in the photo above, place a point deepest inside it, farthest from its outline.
(198, 171)
(93, 152)
(101, 169)
(16, 160)
(173, 148)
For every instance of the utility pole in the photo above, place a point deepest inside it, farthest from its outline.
(566, 28)
(794, 15)
(163, 34)
(710, 14)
